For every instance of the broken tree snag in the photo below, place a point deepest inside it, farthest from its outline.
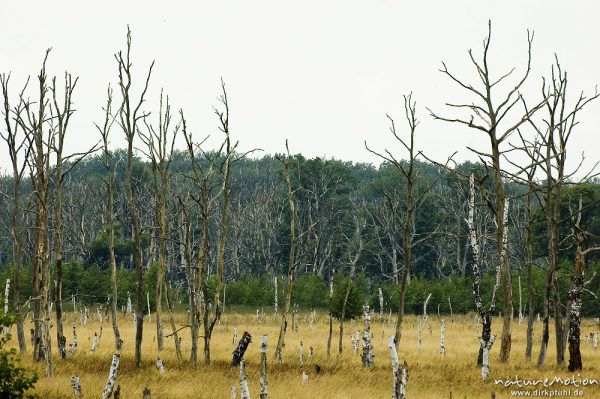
(117, 394)
(486, 346)
(245, 392)
(276, 304)
(238, 353)
(146, 394)
(264, 383)
(94, 342)
(367, 355)
(73, 346)
(304, 377)
(76, 387)
(301, 353)
(400, 376)
(112, 376)
(6, 292)
(442, 337)
(425, 308)
(160, 366)
(380, 294)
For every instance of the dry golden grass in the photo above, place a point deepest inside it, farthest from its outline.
(431, 376)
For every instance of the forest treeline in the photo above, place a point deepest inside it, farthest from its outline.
(332, 196)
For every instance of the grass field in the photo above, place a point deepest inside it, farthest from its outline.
(343, 376)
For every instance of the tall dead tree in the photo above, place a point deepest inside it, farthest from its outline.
(356, 245)
(36, 122)
(202, 177)
(286, 162)
(554, 133)
(228, 158)
(129, 116)
(160, 143)
(412, 200)
(489, 116)
(62, 114)
(18, 152)
(531, 148)
(196, 266)
(109, 182)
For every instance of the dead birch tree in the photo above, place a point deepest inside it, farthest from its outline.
(486, 314)
(196, 266)
(36, 123)
(62, 114)
(287, 161)
(412, 199)
(160, 151)
(129, 116)
(356, 245)
(489, 116)
(554, 133)
(109, 182)
(18, 152)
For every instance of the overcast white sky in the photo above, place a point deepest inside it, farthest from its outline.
(322, 74)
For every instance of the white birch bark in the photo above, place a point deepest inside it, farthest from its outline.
(595, 341)
(73, 346)
(485, 366)
(304, 378)
(264, 383)
(112, 376)
(76, 387)
(442, 338)
(355, 342)
(380, 294)
(520, 308)
(425, 308)
(276, 304)
(450, 305)
(310, 353)
(301, 352)
(367, 355)
(6, 293)
(148, 302)
(403, 381)
(129, 307)
(244, 390)
(160, 366)
(94, 342)
(233, 393)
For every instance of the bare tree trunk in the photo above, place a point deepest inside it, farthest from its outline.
(18, 149)
(129, 119)
(367, 355)
(291, 257)
(62, 119)
(264, 384)
(113, 373)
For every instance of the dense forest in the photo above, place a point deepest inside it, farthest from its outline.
(336, 200)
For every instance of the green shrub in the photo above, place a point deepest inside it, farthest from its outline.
(354, 305)
(14, 380)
